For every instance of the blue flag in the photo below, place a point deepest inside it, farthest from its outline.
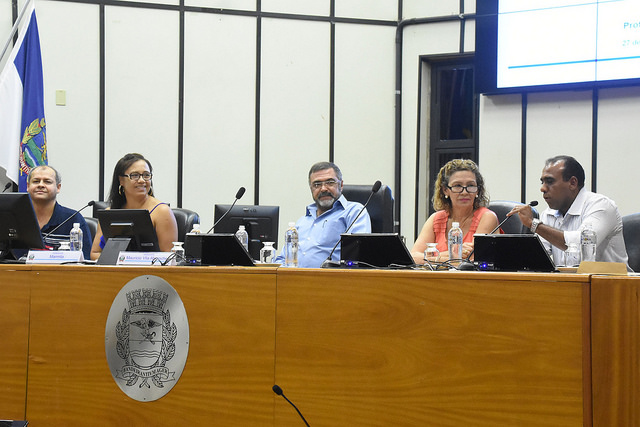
(23, 139)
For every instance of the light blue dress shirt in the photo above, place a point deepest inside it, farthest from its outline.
(319, 234)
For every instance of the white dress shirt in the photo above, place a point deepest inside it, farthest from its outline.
(603, 215)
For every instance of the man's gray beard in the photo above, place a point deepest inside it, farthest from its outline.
(326, 205)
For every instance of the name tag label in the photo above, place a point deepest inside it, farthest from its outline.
(142, 258)
(54, 257)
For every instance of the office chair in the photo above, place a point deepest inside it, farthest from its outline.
(513, 225)
(631, 233)
(92, 223)
(380, 207)
(99, 205)
(185, 219)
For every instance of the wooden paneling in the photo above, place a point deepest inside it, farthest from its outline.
(229, 372)
(616, 351)
(418, 348)
(14, 341)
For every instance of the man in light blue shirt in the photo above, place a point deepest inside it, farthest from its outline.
(328, 217)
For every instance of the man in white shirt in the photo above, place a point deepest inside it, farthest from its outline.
(571, 206)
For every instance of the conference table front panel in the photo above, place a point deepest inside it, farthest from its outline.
(14, 340)
(228, 375)
(381, 348)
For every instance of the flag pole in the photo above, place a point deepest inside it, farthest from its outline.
(14, 28)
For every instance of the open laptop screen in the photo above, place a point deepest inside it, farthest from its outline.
(511, 252)
(376, 250)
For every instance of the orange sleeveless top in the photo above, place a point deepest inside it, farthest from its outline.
(440, 227)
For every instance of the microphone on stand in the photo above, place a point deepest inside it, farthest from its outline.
(239, 195)
(531, 203)
(91, 203)
(7, 185)
(277, 390)
(329, 262)
(467, 264)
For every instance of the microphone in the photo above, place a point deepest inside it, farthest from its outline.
(239, 195)
(91, 203)
(277, 390)
(7, 185)
(328, 262)
(467, 264)
(531, 203)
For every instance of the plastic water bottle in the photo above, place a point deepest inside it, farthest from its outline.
(454, 242)
(196, 229)
(243, 237)
(588, 241)
(291, 246)
(75, 237)
(178, 250)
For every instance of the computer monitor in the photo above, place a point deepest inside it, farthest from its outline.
(19, 228)
(511, 252)
(126, 230)
(261, 222)
(374, 250)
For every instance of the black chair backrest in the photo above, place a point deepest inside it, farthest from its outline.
(185, 219)
(98, 205)
(380, 207)
(513, 225)
(631, 233)
(92, 223)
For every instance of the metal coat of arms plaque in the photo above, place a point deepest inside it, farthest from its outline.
(147, 338)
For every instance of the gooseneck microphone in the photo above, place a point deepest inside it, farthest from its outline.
(329, 262)
(277, 390)
(239, 195)
(91, 203)
(531, 203)
(7, 185)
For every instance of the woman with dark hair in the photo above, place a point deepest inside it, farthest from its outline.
(459, 196)
(132, 188)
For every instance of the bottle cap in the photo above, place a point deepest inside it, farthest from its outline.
(292, 224)
(455, 225)
(76, 225)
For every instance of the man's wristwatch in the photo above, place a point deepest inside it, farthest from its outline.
(534, 225)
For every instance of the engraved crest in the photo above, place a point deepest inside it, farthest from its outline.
(142, 342)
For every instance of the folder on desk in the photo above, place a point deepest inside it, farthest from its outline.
(374, 250)
(511, 252)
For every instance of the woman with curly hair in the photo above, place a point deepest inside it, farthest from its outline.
(459, 196)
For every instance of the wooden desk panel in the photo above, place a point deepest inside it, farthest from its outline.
(229, 372)
(14, 340)
(420, 348)
(616, 350)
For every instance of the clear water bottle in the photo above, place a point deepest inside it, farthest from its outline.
(178, 250)
(243, 237)
(291, 246)
(267, 253)
(588, 241)
(432, 253)
(454, 242)
(572, 255)
(75, 237)
(196, 229)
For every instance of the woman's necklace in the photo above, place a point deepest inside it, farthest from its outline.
(464, 220)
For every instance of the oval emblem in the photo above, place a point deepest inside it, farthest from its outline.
(147, 338)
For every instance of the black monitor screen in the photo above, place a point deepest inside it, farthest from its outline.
(524, 46)
(19, 227)
(261, 222)
(132, 225)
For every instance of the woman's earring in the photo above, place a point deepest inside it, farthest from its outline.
(446, 196)
(121, 190)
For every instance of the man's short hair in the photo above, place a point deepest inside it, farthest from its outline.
(320, 166)
(571, 168)
(58, 177)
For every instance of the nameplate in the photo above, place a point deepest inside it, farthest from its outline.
(142, 258)
(54, 257)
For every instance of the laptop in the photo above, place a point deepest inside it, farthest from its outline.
(511, 252)
(374, 250)
(216, 249)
